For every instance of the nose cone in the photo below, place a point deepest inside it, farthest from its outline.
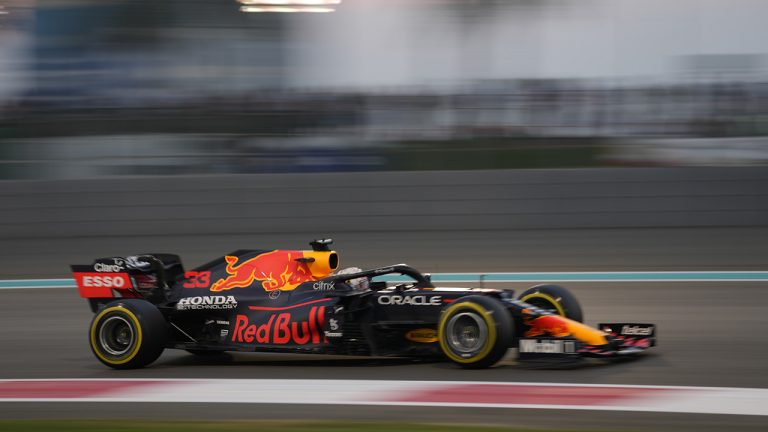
(548, 325)
(558, 326)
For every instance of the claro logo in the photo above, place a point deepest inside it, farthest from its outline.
(417, 300)
(107, 268)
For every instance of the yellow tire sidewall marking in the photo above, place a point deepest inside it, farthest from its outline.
(547, 297)
(137, 327)
(486, 316)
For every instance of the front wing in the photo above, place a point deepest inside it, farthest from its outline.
(625, 340)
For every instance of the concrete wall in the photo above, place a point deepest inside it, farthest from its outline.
(385, 202)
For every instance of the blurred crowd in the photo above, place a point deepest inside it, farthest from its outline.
(488, 109)
(179, 86)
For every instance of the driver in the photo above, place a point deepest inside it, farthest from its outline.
(359, 284)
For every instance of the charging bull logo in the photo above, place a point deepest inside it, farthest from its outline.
(282, 329)
(547, 325)
(277, 270)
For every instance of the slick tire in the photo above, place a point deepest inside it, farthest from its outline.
(128, 334)
(475, 331)
(554, 298)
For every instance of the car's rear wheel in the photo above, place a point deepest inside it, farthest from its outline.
(128, 334)
(475, 331)
(554, 298)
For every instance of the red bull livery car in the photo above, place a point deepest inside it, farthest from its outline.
(298, 301)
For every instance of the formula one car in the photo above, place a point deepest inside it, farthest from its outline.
(296, 301)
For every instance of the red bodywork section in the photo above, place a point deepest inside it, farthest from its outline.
(103, 285)
(547, 325)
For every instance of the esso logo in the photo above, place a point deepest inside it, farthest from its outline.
(104, 281)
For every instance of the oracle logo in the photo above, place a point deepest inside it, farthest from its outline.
(104, 281)
(416, 300)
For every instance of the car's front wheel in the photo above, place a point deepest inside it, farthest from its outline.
(128, 334)
(555, 299)
(475, 331)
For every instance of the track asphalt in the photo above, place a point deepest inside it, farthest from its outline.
(711, 334)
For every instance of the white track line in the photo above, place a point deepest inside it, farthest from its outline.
(702, 400)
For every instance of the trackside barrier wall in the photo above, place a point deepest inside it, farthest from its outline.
(386, 201)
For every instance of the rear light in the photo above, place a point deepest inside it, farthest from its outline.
(145, 281)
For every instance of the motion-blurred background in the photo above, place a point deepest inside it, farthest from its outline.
(145, 87)
(200, 126)
(454, 135)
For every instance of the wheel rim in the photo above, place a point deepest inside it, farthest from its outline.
(116, 336)
(467, 332)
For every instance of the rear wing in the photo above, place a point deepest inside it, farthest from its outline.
(100, 281)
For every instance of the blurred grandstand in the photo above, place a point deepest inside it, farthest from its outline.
(93, 88)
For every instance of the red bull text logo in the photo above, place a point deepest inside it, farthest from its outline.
(282, 329)
(277, 270)
(547, 325)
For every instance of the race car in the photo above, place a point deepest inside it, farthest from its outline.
(298, 301)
